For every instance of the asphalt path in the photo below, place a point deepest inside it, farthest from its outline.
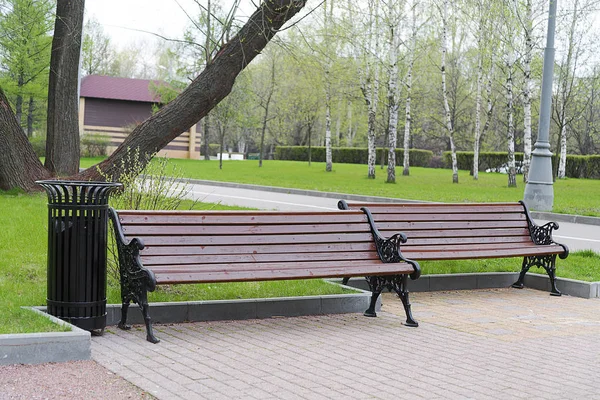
(575, 235)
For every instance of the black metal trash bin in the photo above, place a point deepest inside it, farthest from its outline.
(77, 236)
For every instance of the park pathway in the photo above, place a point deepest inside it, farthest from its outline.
(486, 344)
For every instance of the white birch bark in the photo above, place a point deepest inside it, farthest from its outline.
(478, 96)
(510, 62)
(527, 84)
(449, 127)
(328, 155)
(392, 91)
(349, 135)
(409, 76)
(371, 89)
(567, 83)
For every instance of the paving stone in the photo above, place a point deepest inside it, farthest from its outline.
(481, 344)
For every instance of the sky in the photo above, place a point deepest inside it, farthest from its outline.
(121, 18)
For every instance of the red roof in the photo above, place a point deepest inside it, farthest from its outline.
(108, 87)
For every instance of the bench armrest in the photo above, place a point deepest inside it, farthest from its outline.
(130, 265)
(542, 234)
(389, 249)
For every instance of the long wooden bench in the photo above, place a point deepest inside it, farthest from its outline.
(169, 247)
(470, 231)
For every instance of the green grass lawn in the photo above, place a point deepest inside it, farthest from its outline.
(23, 252)
(571, 196)
(23, 239)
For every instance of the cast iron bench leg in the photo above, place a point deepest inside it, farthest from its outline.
(403, 294)
(123, 323)
(376, 284)
(547, 262)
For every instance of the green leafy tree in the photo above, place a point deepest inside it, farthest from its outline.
(25, 44)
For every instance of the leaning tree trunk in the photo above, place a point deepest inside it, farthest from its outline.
(19, 165)
(62, 138)
(206, 91)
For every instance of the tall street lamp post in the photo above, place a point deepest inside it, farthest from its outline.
(539, 192)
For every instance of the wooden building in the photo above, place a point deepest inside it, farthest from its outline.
(114, 106)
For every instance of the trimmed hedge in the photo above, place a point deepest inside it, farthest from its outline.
(350, 155)
(577, 166)
(487, 160)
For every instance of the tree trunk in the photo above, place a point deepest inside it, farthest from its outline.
(19, 102)
(565, 95)
(512, 178)
(445, 93)
(62, 138)
(527, 90)
(328, 155)
(30, 112)
(480, 47)
(393, 107)
(207, 90)
(19, 165)
(349, 136)
(408, 119)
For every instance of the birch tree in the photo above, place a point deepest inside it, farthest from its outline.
(369, 76)
(449, 127)
(393, 18)
(527, 23)
(408, 83)
(510, 65)
(327, 17)
(566, 109)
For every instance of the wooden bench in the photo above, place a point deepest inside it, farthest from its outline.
(168, 247)
(470, 231)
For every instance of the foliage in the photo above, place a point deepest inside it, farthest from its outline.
(39, 145)
(146, 186)
(586, 167)
(349, 155)
(25, 44)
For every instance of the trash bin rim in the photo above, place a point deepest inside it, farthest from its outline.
(79, 183)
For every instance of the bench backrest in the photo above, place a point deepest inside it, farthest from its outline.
(190, 245)
(446, 231)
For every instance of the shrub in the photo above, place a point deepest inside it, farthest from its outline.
(39, 145)
(94, 145)
(159, 186)
(349, 155)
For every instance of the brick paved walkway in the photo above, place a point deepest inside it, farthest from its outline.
(487, 344)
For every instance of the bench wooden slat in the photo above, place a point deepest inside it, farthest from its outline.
(456, 233)
(466, 246)
(239, 218)
(233, 273)
(254, 239)
(475, 253)
(420, 217)
(450, 225)
(240, 230)
(257, 258)
(256, 249)
(433, 208)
